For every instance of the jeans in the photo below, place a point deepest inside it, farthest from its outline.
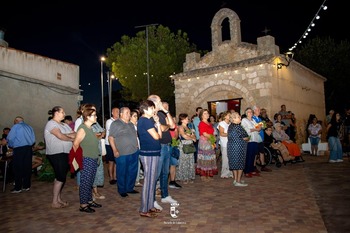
(163, 169)
(336, 150)
(127, 170)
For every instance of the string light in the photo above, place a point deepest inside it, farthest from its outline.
(312, 24)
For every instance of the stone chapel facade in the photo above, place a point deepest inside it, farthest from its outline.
(248, 73)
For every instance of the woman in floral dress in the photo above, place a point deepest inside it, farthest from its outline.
(185, 171)
(206, 161)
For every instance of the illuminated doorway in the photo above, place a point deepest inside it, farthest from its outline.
(218, 106)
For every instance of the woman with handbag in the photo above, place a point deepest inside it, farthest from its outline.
(185, 171)
(206, 161)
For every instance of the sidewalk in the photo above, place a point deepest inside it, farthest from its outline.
(313, 197)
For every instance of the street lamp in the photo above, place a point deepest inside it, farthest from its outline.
(103, 108)
(110, 88)
(146, 26)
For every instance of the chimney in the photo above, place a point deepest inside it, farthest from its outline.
(3, 43)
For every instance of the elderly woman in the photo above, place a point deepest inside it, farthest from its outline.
(237, 139)
(282, 137)
(252, 128)
(58, 140)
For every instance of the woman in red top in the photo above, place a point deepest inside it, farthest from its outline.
(206, 161)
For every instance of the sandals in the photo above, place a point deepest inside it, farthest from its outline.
(94, 204)
(148, 214)
(155, 210)
(60, 205)
(86, 209)
(57, 206)
(64, 204)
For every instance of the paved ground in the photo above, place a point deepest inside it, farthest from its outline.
(306, 197)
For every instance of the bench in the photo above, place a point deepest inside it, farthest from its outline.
(322, 147)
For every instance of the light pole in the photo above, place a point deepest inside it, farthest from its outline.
(147, 52)
(110, 88)
(103, 108)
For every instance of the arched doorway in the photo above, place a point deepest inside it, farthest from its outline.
(218, 106)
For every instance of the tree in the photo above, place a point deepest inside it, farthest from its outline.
(332, 60)
(167, 53)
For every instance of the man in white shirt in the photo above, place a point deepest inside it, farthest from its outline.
(112, 169)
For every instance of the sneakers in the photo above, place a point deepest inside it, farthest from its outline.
(339, 160)
(138, 184)
(174, 185)
(27, 189)
(157, 206)
(16, 191)
(237, 184)
(332, 161)
(168, 199)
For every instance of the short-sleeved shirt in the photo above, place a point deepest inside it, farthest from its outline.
(223, 140)
(53, 144)
(257, 119)
(125, 137)
(148, 145)
(248, 125)
(108, 126)
(196, 121)
(205, 128)
(166, 136)
(315, 129)
(90, 143)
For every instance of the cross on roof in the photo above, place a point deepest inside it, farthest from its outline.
(266, 31)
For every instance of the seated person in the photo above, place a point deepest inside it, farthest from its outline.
(36, 161)
(37, 158)
(278, 119)
(292, 147)
(315, 131)
(271, 142)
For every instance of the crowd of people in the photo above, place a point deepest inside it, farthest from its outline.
(139, 148)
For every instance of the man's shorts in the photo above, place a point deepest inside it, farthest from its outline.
(173, 161)
(109, 154)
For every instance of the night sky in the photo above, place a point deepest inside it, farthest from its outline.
(79, 32)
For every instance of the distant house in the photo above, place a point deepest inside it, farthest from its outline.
(236, 75)
(30, 85)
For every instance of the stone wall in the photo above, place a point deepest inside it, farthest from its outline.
(236, 69)
(31, 85)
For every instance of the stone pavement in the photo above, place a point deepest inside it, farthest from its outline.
(310, 197)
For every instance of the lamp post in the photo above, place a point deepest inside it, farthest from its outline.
(103, 108)
(110, 88)
(147, 52)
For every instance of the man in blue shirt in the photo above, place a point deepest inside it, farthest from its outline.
(196, 121)
(21, 139)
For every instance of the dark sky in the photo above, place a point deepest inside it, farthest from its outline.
(80, 32)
